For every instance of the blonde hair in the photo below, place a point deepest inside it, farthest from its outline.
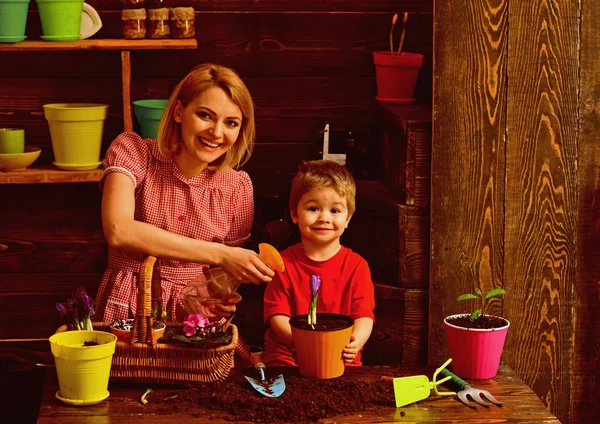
(323, 174)
(198, 80)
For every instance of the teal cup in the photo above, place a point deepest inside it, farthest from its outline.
(12, 140)
(148, 113)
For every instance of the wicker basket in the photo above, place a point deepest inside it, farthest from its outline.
(145, 360)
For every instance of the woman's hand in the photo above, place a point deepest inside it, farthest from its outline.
(245, 266)
(227, 308)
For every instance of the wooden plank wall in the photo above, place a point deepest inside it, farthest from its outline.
(515, 185)
(305, 62)
(586, 353)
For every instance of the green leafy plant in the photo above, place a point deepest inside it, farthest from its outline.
(482, 300)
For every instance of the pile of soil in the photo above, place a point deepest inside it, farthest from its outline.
(304, 399)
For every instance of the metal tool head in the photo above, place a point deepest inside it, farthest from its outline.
(475, 394)
(268, 386)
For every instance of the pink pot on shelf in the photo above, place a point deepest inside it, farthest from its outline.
(396, 75)
(475, 352)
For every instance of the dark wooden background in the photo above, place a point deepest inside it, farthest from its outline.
(515, 186)
(515, 176)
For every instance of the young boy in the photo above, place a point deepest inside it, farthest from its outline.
(321, 204)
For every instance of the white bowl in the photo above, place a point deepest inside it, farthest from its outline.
(14, 161)
(90, 22)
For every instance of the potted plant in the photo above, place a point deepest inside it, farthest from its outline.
(83, 356)
(320, 338)
(200, 331)
(397, 71)
(476, 340)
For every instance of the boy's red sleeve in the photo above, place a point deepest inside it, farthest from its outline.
(363, 299)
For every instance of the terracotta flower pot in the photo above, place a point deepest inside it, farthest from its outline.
(396, 76)
(124, 335)
(319, 351)
(475, 352)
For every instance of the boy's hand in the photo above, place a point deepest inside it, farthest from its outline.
(351, 349)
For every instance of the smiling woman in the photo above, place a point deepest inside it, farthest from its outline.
(180, 198)
(210, 126)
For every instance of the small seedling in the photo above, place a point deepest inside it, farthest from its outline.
(394, 20)
(482, 300)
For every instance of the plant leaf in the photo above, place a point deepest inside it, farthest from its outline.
(494, 292)
(478, 291)
(475, 314)
(466, 296)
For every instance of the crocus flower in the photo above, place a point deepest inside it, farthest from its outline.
(315, 284)
(85, 308)
(79, 309)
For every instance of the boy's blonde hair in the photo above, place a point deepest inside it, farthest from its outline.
(323, 174)
(198, 80)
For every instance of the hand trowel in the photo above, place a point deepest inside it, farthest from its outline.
(412, 389)
(268, 386)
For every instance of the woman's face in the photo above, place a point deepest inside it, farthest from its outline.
(210, 125)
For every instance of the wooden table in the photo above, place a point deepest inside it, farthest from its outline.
(521, 405)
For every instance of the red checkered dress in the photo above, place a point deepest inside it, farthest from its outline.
(212, 206)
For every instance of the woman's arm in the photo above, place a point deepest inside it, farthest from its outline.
(122, 231)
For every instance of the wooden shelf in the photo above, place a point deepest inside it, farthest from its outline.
(106, 44)
(122, 45)
(49, 174)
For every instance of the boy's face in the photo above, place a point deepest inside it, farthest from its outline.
(322, 216)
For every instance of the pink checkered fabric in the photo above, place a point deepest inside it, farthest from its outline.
(212, 206)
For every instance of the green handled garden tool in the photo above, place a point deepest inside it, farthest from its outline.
(466, 389)
(412, 389)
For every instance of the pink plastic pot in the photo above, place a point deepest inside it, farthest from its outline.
(475, 352)
(396, 75)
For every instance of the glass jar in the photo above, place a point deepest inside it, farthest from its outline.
(158, 23)
(182, 22)
(155, 4)
(132, 4)
(134, 23)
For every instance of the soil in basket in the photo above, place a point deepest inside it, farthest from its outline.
(304, 399)
(483, 322)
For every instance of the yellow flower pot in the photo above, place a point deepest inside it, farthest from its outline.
(76, 133)
(83, 371)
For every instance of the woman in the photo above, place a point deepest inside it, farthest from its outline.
(179, 197)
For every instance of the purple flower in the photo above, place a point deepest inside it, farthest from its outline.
(79, 309)
(315, 283)
(196, 320)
